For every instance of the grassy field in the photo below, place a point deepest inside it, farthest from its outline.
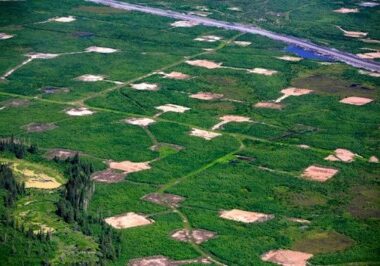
(253, 166)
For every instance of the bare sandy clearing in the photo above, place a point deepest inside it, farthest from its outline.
(204, 63)
(287, 257)
(108, 176)
(128, 220)
(207, 135)
(164, 199)
(317, 173)
(373, 55)
(298, 220)
(61, 154)
(39, 127)
(356, 100)
(165, 261)
(292, 92)
(207, 96)
(290, 58)
(235, 8)
(39, 180)
(369, 40)
(42, 55)
(184, 24)
(208, 38)
(102, 50)
(373, 159)
(129, 167)
(344, 10)
(172, 108)
(304, 146)
(145, 86)
(143, 122)
(372, 74)
(262, 71)
(175, 75)
(90, 78)
(81, 111)
(63, 19)
(342, 155)
(353, 34)
(242, 43)
(245, 216)
(231, 118)
(269, 105)
(4, 36)
(198, 236)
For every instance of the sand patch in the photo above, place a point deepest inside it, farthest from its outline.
(102, 50)
(353, 34)
(61, 154)
(164, 199)
(42, 55)
(198, 236)
(128, 220)
(184, 24)
(320, 174)
(207, 96)
(304, 146)
(4, 36)
(145, 86)
(231, 118)
(90, 78)
(287, 257)
(165, 261)
(81, 111)
(345, 10)
(368, 73)
(373, 159)
(292, 92)
(39, 180)
(208, 38)
(356, 100)
(262, 71)
(372, 55)
(242, 43)
(204, 63)
(204, 134)
(63, 19)
(143, 122)
(172, 108)
(245, 216)
(290, 58)
(39, 127)
(175, 75)
(108, 176)
(269, 105)
(341, 155)
(129, 167)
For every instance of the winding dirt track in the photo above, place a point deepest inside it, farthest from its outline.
(347, 58)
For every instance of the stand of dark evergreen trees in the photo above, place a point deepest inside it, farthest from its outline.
(17, 147)
(73, 204)
(8, 182)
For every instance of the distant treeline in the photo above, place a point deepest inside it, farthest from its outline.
(17, 147)
(73, 204)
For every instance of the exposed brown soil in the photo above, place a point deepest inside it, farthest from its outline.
(262, 71)
(269, 105)
(356, 100)
(287, 257)
(143, 122)
(90, 78)
(290, 58)
(175, 75)
(39, 127)
(108, 176)
(365, 203)
(373, 159)
(165, 261)
(4, 36)
(245, 216)
(184, 24)
(145, 86)
(129, 167)
(61, 154)
(231, 118)
(198, 236)
(172, 108)
(101, 50)
(345, 10)
(204, 63)
(320, 174)
(353, 34)
(164, 199)
(81, 111)
(342, 155)
(207, 135)
(372, 55)
(128, 220)
(242, 43)
(206, 96)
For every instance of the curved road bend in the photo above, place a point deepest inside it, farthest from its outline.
(347, 58)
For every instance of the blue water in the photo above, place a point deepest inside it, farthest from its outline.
(307, 54)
